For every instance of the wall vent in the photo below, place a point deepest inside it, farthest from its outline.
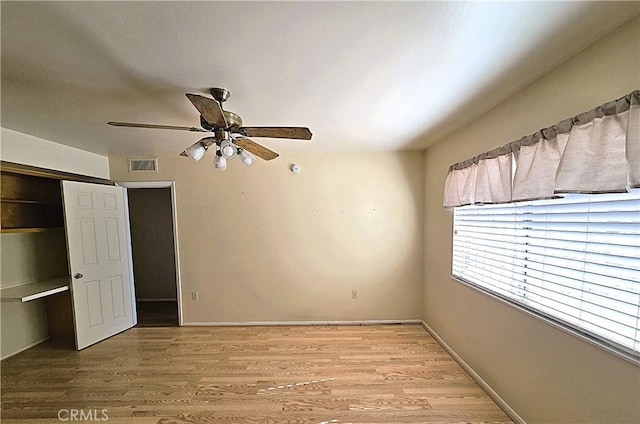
(143, 165)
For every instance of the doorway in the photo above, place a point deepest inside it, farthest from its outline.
(154, 253)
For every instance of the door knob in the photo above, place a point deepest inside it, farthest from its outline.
(77, 275)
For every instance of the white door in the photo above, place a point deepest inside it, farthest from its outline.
(99, 260)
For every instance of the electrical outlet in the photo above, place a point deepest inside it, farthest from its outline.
(194, 295)
(354, 294)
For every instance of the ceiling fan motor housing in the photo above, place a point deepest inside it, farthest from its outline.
(233, 120)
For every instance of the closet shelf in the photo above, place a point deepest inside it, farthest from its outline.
(30, 202)
(27, 230)
(35, 290)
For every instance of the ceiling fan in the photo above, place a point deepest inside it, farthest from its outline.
(229, 136)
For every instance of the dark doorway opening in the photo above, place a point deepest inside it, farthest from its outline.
(154, 265)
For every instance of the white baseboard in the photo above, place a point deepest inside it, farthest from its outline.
(22, 349)
(476, 377)
(292, 323)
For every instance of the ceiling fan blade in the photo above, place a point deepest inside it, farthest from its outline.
(299, 133)
(209, 109)
(255, 148)
(154, 126)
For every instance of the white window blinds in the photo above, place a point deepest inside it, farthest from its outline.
(574, 259)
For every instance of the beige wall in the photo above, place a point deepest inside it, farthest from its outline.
(264, 244)
(543, 373)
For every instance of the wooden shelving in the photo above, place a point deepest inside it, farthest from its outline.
(25, 230)
(31, 197)
(26, 202)
(29, 203)
(35, 290)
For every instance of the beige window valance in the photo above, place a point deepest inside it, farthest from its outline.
(594, 152)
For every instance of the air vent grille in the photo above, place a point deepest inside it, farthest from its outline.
(143, 165)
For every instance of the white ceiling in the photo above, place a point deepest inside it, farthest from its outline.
(360, 75)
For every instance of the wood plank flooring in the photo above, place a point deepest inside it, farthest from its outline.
(311, 374)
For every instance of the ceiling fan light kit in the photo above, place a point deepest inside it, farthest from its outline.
(196, 151)
(229, 136)
(228, 150)
(246, 157)
(220, 163)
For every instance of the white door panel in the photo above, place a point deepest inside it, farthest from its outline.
(99, 260)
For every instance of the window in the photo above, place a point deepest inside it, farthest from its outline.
(575, 260)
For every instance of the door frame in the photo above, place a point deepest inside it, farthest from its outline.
(174, 219)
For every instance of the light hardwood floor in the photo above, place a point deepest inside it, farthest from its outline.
(311, 374)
